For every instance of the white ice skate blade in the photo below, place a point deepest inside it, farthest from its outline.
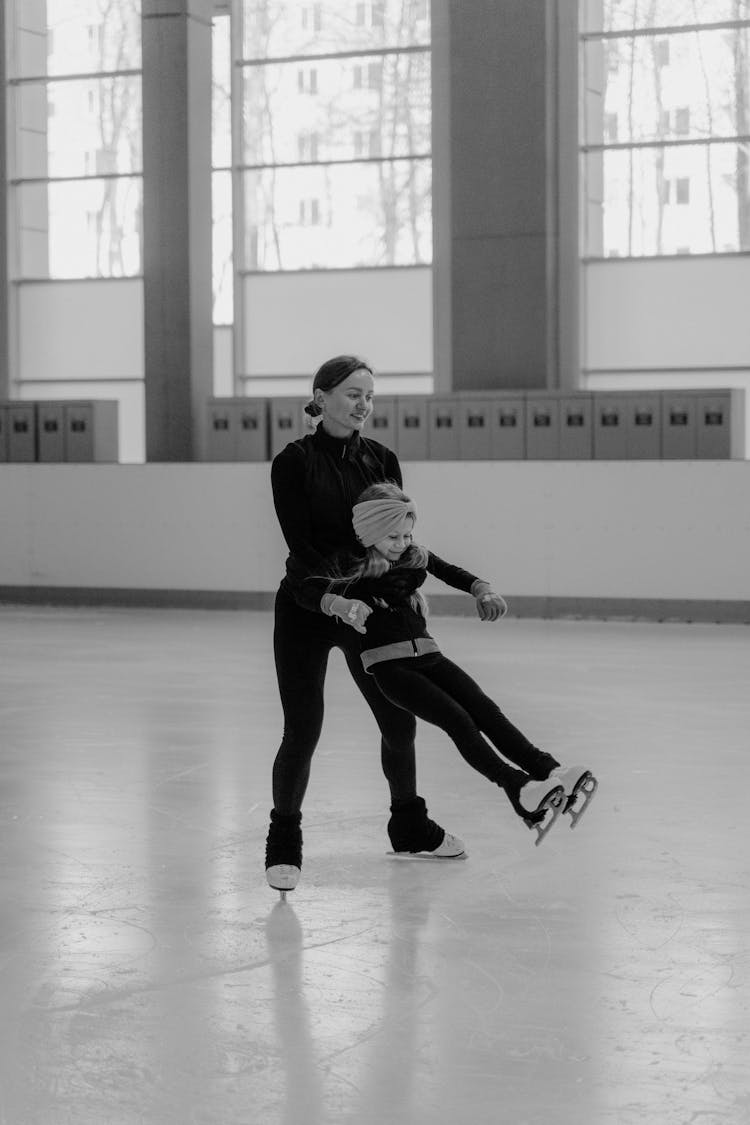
(574, 807)
(426, 855)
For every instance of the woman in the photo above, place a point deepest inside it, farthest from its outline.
(316, 481)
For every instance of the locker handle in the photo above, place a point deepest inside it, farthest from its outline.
(575, 419)
(379, 423)
(78, 426)
(644, 418)
(713, 418)
(476, 421)
(542, 420)
(20, 426)
(444, 422)
(508, 420)
(285, 422)
(50, 426)
(249, 422)
(678, 418)
(610, 418)
(411, 421)
(221, 423)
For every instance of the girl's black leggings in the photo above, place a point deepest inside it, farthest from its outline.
(302, 642)
(438, 691)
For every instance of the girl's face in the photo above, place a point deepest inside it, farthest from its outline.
(347, 407)
(393, 546)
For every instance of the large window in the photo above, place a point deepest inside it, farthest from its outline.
(75, 159)
(334, 162)
(666, 145)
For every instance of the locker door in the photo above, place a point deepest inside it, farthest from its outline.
(79, 431)
(411, 428)
(576, 427)
(51, 431)
(381, 425)
(475, 428)
(251, 429)
(643, 425)
(714, 425)
(508, 427)
(542, 428)
(288, 422)
(679, 437)
(442, 421)
(610, 428)
(221, 444)
(3, 432)
(21, 431)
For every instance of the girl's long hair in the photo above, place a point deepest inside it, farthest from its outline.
(373, 565)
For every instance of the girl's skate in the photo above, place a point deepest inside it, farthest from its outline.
(540, 803)
(284, 852)
(576, 781)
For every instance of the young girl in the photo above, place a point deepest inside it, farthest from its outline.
(410, 670)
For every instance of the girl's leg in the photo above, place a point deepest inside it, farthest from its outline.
(414, 687)
(488, 717)
(302, 641)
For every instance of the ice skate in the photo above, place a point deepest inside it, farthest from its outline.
(576, 781)
(540, 803)
(415, 836)
(284, 852)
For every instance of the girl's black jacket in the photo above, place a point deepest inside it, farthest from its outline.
(316, 482)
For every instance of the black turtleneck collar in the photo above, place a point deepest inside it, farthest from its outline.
(338, 447)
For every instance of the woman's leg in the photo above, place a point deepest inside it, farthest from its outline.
(398, 729)
(302, 641)
(488, 717)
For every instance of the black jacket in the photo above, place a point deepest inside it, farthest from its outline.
(316, 481)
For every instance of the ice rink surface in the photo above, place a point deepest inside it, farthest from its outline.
(148, 976)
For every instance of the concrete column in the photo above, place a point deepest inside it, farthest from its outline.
(178, 331)
(4, 284)
(498, 201)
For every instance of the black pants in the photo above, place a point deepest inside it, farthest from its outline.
(302, 641)
(438, 691)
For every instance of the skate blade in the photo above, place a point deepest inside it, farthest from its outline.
(426, 855)
(588, 788)
(554, 803)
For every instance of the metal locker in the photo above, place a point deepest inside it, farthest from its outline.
(610, 426)
(442, 422)
(411, 428)
(3, 432)
(50, 422)
(542, 427)
(678, 425)
(576, 427)
(474, 428)
(381, 425)
(250, 423)
(91, 430)
(643, 426)
(721, 425)
(508, 428)
(288, 422)
(21, 431)
(221, 437)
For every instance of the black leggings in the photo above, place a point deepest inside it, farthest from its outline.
(302, 641)
(438, 691)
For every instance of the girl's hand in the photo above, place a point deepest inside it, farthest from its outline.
(352, 612)
(490, 606)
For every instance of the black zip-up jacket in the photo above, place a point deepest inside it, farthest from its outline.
(316, 482)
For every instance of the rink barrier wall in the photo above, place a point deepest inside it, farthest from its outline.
(662, 539)
(441, 605)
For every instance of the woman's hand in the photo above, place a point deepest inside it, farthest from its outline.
(490, 606)
(351, 611)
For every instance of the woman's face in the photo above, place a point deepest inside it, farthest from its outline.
(393, 546)
(347, 407)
